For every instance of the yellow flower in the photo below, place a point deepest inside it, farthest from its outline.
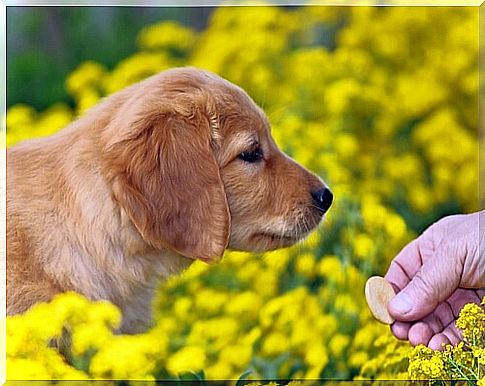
(183, 307)
(208, 300)
(190, 358)
(220, 370)
(167, 34)
(125, 357)
(238, 355)
(338, 344)
(363, 245)
(305, 265)
(424, 365)
(329, 266)
(245, 303)
(274, 343)
(316, 356)
(471, 322)
(252, 336)
(136, 68)
(216, 332)
(302, 332)
(87, 99)
(20, 115)
(346, 145)
(358, 359)
(340, 95)
(327, 324)
(87, 75)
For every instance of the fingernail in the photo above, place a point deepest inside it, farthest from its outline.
(401, 303)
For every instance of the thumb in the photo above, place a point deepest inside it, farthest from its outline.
(438, 277)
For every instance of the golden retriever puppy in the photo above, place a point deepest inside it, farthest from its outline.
(177, 167)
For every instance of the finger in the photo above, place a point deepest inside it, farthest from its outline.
(450, 335)
(435, 281)
(433, 321)
(420, 333)
(441, 317)
(453, 334)
(481, 293)
(400, 330)
(397, 276)
(461, 297)
(445, 315)
(437, 342)
(434, 324)
(404, 266)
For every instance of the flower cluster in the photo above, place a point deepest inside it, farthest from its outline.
(465, 361)
(382, 103)
(32, 337)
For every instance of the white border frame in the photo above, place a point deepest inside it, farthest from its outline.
(189, 3)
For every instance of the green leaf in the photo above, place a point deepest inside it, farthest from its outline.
(242, 379)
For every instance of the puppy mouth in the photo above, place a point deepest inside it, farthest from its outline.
(290, 238)
(294, 234)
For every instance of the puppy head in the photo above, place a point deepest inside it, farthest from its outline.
(192, 163)
(274, 202)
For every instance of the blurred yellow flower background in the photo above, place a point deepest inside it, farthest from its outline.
(382, 103)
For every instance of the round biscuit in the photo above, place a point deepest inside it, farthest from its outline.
(378, 293)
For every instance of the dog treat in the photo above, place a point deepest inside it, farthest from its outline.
(378, 293)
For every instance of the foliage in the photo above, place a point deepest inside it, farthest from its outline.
(382, 103)
(44, 44)
(465, 361)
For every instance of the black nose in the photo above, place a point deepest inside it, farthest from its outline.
(323, 198)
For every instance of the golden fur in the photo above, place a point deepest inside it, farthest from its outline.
(145, 182)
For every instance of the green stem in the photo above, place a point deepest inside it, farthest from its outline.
(457, 366)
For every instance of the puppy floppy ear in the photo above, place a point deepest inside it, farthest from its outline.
(165, 176)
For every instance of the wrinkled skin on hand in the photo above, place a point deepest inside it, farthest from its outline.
(434, 276)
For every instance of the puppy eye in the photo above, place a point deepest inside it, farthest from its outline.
(252, 156)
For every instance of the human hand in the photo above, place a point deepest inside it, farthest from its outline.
(434, 276)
